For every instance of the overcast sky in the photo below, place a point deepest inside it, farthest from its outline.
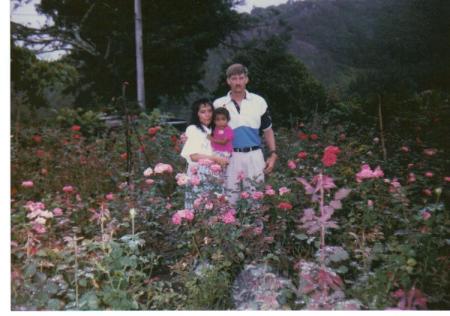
(27, 14)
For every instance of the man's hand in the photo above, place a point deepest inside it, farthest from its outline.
(270, 163)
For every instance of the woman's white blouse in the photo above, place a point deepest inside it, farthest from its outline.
(196, 143)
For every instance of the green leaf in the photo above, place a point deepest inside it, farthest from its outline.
(82, 282)
(342, 269)
(54, 304)
(51, 288)
(40, 277)
(89, 301)
(30, 270)
(301, 236)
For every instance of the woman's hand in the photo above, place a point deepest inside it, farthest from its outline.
(221, 161)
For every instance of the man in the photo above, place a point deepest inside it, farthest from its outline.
(249, 114)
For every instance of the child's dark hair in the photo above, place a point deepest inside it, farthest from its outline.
(220, 111)
(195, 108)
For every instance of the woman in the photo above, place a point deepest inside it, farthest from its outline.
(197, 149)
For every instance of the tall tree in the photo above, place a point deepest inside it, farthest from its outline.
(290, 90)
(100, 37)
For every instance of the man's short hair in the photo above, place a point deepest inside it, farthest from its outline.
(236, 69)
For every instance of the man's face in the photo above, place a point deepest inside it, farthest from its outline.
(237, 83)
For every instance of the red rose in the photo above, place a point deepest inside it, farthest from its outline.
(40, 153)
(302, 155)
(330, 156)
(37, 138)
(314, 137)
(285, 206)
(152, 131)
(303, 136)
(75, 128)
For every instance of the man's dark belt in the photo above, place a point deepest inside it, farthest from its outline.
(246, 149)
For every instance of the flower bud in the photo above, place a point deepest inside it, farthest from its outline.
(438, 191)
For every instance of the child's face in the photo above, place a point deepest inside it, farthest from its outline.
(220, 121)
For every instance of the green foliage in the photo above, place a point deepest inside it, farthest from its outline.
(210, 290)
(289, 89)
(37, 78)
(176, 37)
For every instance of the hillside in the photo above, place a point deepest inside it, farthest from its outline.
(328, 36)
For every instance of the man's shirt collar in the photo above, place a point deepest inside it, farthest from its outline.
(247, 96)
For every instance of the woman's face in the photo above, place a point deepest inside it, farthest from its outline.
(205, 113)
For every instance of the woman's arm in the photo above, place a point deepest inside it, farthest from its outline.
(221, 161)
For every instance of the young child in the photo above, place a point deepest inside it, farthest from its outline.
(222, 135)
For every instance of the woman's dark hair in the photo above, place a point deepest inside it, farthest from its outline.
(195, 108)
(219, 111)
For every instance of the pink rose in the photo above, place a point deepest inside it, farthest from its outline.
(405, 149)
(270, 192)
(370, 203)
(257, 195)
(189, 215)
(367, 173)
(245, 195)
(283, 190)
(197, 202)
(163, 168)
(149, 181)
(426, 215)
(57, 211)
(209, 206)
(194, 170)
(291, 164)
(68, 189)
(182, 179)
(430, 151)
(195, 180)
(215, 168)
(257, 230)
(148, 172)
(395, 186)
(411, 177)
(39, 228)
(429, 174)
(110, 196)
(27, 184)
(229, 217)
(176, 219)
(205, 162)
(241, 176)
(378, 173)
